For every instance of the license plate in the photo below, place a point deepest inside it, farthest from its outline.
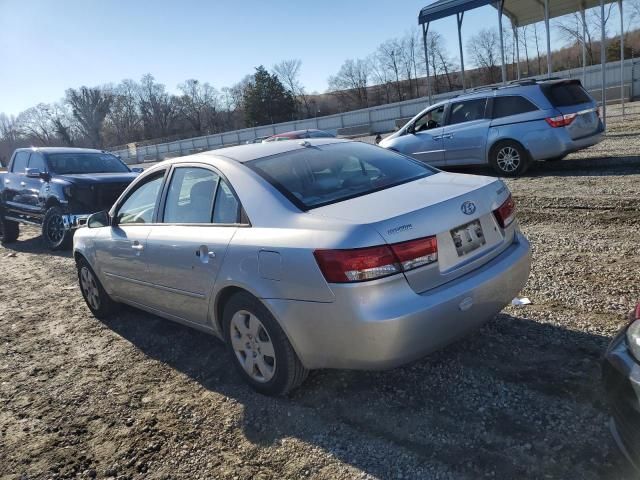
(468, 237)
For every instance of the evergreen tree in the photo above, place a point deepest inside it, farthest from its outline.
(266, 101)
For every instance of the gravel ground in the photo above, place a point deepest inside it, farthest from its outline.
(141, 397)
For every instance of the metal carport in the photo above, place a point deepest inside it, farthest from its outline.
(522, 13)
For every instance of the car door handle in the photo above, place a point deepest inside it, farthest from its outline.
(6, 180)
(210, 254)
(22, 184)
(137, 246)
(437, 137)
(450, 135)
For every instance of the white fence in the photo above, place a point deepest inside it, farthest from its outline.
(379, 119)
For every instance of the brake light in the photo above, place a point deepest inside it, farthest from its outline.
(506, 213)
(360, 264)
(561, 120)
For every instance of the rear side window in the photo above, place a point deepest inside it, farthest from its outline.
(190, 197)
(37, 161)
(566, 94)
(511, 105)
(20, 162)
(467, 111)
(320, 175)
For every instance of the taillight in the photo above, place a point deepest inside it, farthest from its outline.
(359, 264)
(561, 120)
(506, 213)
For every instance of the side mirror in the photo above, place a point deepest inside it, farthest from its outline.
(411, 128)
(99, 220)
(137, 169)
(32, 173)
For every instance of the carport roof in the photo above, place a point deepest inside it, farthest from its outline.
(521, 12)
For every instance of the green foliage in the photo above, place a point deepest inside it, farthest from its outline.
(266, 101)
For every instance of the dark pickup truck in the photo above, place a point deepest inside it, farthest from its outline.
(58, 188)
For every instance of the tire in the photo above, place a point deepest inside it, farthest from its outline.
(96, 298)
(9, 230)
(509, 159)
(256, 342)
(53, 232)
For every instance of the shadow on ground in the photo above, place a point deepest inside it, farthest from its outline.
(516, 399)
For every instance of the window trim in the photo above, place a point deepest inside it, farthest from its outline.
(165, 192)
(147, 178)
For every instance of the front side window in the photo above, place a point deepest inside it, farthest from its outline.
(467, 111)
(191, 194)
(37, 161)
(431, 119)
(140, 205)
(511, 105)
(325, 174)
(20, 162)
(70, 163)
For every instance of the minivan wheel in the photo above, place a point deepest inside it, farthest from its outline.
(9, 230)
(54, 234)
(509, 159)
(96, 298)
(259, 348)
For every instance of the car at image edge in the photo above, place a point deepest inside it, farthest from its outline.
(506, 127)
(298, 135)
(621, 376)
(323, 253)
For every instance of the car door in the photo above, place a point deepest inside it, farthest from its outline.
(185, 251)
(33, 187)
(14, 184)
(424, 139)
(120, 248)
(465, 132)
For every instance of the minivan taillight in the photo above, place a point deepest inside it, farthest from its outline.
(506, 213)
(561, 120)
(370, 263)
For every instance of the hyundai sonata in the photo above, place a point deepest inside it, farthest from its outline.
(322, 253)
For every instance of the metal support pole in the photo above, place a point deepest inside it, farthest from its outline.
(584, 46)
(603, 63)
(621, 56)
(504, 65)
(460, 17)
(546, 26)
(425, 30)
(515, 38)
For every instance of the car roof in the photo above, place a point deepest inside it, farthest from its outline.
(60, 150)
(254, 151)
(296, 132)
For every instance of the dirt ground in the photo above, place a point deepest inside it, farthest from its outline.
(141, 397)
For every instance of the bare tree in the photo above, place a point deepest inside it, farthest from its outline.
(410, 54)
(351, 82)
(198, 104)
(158, 109)
(35, 124)
(124, 118)
(288, 72)
(90, 107)
(389, 56)
(484, 50)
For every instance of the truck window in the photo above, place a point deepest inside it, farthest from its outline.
(37, 161)
(20, 162)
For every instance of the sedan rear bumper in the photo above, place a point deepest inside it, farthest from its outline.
(383, 324)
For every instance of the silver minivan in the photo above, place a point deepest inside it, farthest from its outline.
(507, 127)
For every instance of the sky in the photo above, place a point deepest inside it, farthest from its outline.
(47, 46)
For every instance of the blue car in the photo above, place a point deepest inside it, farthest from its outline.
(506, 127)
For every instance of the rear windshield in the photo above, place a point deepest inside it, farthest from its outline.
(566, 94)
(320, 175)
(68, 163)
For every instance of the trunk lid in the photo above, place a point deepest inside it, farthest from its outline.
(457, 209)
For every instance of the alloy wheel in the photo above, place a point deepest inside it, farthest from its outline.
(55, 229)
(508, 159)
(90, 288)
(252, 346)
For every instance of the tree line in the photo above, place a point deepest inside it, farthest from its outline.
(145, 111)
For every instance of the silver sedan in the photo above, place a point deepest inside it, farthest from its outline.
(313, 254)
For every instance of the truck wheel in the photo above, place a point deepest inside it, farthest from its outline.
(9, 230)
(53, 232)
(259, 348)
(509, 159)
(96, 298)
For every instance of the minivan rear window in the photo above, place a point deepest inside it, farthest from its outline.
(315, 176)
(566, 94)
